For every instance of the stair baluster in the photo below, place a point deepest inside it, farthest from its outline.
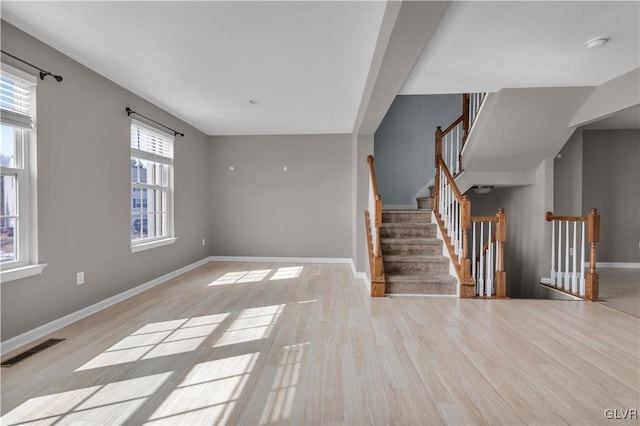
(573, 279)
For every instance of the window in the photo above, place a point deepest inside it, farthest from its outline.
(151, 187)
(18, 234)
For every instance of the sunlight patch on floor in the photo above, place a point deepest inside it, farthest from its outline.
(111, 403)
(287, 273)
(158, 339)
(242, 277)
(208, 393)
(280, 401)
(251, 324)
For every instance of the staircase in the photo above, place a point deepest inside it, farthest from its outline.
(412, 254)
(405, 256)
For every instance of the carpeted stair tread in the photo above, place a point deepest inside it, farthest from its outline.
(407, 225)
(427, 278)
(416, 258)
(421, 211)
(410, 240)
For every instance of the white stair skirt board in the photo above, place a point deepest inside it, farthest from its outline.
(628, 265)
(445, 253)
(55, 325)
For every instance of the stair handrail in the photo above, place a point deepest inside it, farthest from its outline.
(454, 137)
(453, 211)
(373, 221)
(578, 283)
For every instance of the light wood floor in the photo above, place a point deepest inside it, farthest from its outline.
(620, 289)
(256, 343)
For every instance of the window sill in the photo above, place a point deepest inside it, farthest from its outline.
(21, 272)
(152, 244)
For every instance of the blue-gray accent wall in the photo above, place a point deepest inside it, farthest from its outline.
(404, 144)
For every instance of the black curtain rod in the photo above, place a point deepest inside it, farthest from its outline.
(43, 73)
(175, 132)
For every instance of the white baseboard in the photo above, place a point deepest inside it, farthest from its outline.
(629, 265)
(361, 276)
(365, 279)
(55, 325)
(280, 259)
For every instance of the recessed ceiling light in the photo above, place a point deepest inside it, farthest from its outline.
(253, 101)
(596, 42)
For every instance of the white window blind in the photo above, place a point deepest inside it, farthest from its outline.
(151, 186)
(15, 101)
(150, 143)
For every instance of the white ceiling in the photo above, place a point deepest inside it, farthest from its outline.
(305, 63)
(487, 46)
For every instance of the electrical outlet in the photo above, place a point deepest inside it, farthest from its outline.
(204, 242)
(571, 251)
(80, 278)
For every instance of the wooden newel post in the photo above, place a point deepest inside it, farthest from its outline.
(593, 237)
(468, 284)
(501, 238)
(436, 180)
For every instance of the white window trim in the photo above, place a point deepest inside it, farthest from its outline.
(29, 265)
(21, 272)
(135, 248)
(170, 238)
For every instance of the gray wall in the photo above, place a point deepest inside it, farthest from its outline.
(84, 193)
(593, 163)
(261, 210)
(567, 192)
(361, 148)
(611, 183)
(528, 235)
(404, 144)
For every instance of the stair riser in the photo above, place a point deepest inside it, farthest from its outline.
(392, 267)
(420, 232)
(410, 249)
(421, 288)
(413, 217)
(424, 203)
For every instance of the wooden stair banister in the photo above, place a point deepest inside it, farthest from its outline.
(373, 221)
(578, 283)
(453, 211)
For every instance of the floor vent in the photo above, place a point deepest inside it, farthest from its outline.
(30, 352)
